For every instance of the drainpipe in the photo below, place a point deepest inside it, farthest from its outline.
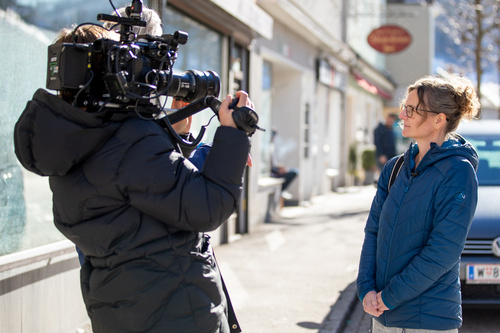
(343, 106)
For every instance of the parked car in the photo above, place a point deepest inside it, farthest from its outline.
(480, 261)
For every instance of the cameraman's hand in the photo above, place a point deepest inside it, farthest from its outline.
(225, 114)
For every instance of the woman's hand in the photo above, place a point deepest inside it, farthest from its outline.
(370, 304)
(381, 306)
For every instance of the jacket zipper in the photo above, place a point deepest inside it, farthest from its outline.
(413, 175)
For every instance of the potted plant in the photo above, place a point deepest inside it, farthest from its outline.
(352, 163)
(369, 164)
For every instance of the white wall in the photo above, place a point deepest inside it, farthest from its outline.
(417, 60)
(363, 17)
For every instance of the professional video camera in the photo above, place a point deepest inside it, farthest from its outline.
(131, 75)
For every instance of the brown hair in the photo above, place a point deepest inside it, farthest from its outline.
(84, 34)
(452, 95)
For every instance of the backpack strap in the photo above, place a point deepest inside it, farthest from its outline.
(395, 171)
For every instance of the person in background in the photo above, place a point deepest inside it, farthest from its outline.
(279, 170)
(385, 142)
(408, 277)
(125, 195)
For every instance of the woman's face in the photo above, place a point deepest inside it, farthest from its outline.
(418, 126)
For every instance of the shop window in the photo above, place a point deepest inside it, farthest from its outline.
(27, 28)
(265, 118)
(203, 51)
(238, 68)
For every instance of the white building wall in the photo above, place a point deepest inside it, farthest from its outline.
(363, 113)
(303, 109)
(417, 60)
(363, 17)
(327, 14)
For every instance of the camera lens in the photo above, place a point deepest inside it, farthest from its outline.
(193, 85)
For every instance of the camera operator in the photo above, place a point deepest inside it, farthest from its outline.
(125, 195)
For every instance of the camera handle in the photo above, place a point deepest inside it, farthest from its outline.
(180, 140)
(193, 108)
(182, 113)
(245, 118)
(126, 24)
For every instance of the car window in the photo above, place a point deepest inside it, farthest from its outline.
(488, 150)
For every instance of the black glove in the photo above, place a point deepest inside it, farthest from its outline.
(245, 118)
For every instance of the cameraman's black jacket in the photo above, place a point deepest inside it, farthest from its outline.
(137, 209)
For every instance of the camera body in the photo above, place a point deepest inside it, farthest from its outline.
(124, 75)
(131, 75)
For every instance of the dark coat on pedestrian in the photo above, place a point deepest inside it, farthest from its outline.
(385, 142)
(137, 209)
(415, 234)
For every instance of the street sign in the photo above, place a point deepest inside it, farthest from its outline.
(389, 39)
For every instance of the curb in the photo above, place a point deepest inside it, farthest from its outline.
(335, 321)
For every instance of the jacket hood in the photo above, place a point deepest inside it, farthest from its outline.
(52, 136)
(456, 145)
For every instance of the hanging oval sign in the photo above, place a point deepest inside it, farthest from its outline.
(389, 39)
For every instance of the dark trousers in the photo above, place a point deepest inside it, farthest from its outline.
(289, 177)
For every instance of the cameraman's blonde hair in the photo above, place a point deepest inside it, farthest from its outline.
(153, 27)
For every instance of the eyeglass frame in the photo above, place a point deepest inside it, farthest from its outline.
(413, 109)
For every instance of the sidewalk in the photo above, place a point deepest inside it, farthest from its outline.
(350, 200)
(296, 274)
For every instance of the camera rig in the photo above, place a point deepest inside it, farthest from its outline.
(130, 75)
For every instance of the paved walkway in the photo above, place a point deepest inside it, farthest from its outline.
(296, 274)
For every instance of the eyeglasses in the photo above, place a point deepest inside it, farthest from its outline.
(410, 109)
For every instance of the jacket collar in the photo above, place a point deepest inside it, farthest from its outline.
(454, 145)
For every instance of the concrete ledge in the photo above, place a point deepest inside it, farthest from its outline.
(270, 182)
(37, 254)
(272, 186)
(40, 290)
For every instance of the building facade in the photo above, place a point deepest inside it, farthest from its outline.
(307, 68)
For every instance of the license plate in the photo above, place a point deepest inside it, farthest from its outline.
(481, 273)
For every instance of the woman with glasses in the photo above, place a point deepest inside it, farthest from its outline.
(408, 276)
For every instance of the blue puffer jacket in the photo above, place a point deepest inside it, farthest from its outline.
(415, 234)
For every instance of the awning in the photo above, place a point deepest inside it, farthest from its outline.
(250, 14)
(372, 88)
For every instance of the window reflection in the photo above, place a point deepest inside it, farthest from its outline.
(202, 52)
(27, 27)
(265, 119)
(488, 150)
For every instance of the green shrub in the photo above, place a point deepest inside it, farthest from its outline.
(368, 159)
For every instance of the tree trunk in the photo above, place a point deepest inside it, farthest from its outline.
(479, 41)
